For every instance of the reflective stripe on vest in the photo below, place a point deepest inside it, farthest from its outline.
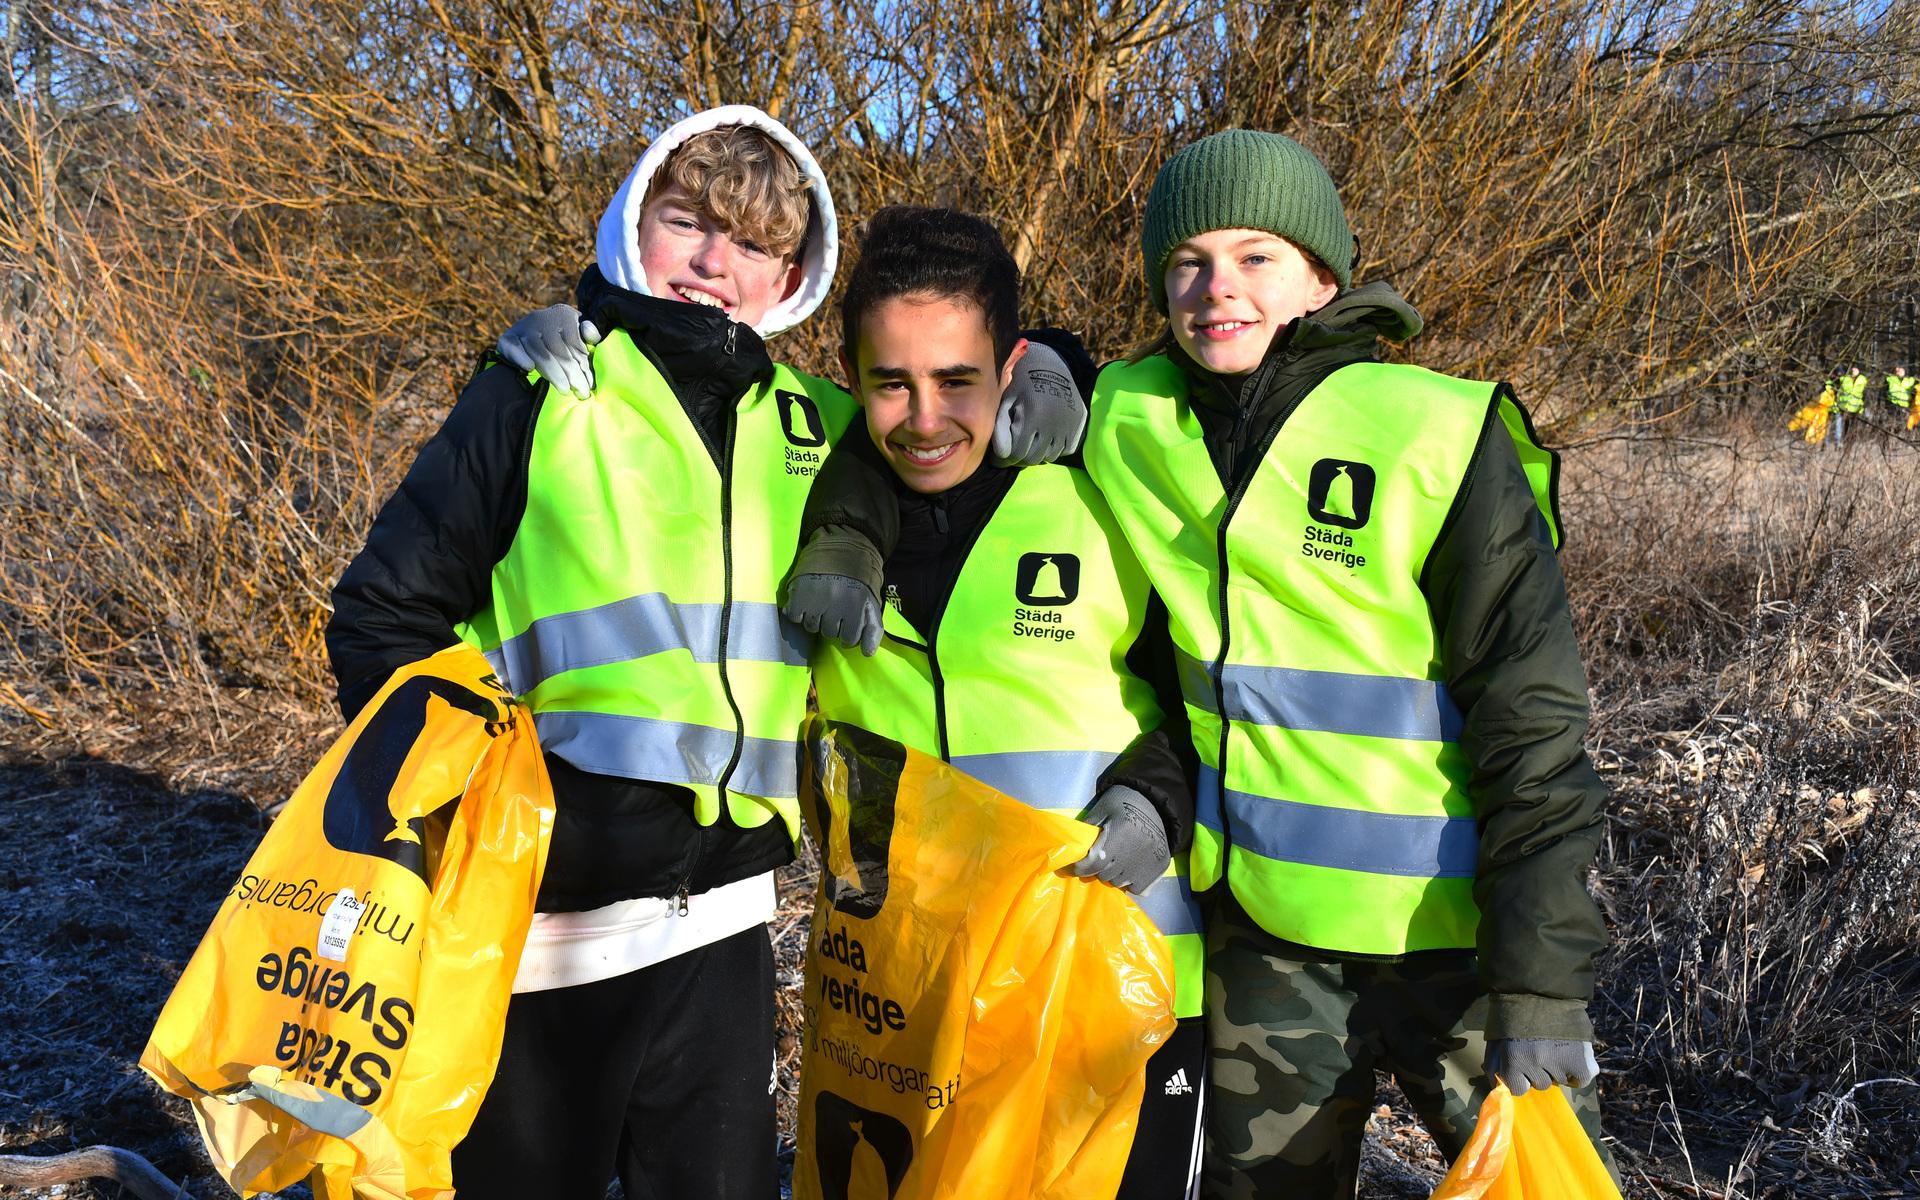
(670, 752)
(1036, 777)
(641, 625)
(1333, 796)
(635, 610)
(1020, 689)
(1324, 701)
(1349, 839)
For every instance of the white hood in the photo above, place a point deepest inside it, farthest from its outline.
(618, 242)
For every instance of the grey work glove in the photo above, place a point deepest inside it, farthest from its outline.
(1528, 1063)
(557, 342)
(835, 606)
(1131, 851)
(834, 588)
(1041, 413)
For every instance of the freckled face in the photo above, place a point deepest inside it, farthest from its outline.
(689, 256)
(1230, 291)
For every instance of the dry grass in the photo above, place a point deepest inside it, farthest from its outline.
(1750, 611)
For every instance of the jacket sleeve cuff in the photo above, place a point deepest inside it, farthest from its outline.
(1521, 1015)
(845, 551)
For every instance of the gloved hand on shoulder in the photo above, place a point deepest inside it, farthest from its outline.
(557, 342)
(1042, 414)
(833, 589)
(1528, 1063)
(1131, 851)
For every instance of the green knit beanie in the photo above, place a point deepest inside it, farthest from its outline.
(1244, 179)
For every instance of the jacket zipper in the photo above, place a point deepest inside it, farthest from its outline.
(678, 904)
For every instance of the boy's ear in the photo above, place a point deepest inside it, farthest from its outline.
(1325, 288)
(852, 376)
(796, 272)
(1013, 359)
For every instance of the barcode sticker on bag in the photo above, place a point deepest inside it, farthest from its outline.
(336, 928)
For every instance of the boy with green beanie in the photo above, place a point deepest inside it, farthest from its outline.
(1381, 674)
(1395, 811)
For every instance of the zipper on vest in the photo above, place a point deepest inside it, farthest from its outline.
(1242, 483)
(726, 596)
(939, 699)
(940, 608)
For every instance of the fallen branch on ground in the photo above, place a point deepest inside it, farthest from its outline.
(124, 1167)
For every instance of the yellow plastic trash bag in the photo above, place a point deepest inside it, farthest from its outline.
(274, 1118)
(978, 1022)
(363, 961)
(1527, 1149)
(1811, 422)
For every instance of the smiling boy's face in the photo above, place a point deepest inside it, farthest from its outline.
(926, 378)
(688, 255)
(1229, 291)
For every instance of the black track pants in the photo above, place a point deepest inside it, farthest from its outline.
(661, 1075)
(1165, 1161)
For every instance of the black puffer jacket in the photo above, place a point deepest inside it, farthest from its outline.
(429, 559)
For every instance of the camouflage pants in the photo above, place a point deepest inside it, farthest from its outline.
(1294, 1045)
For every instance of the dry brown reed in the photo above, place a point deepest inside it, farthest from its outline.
(250, 251)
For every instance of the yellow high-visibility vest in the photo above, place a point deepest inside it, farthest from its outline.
(1334, 795)
(635, 611)
(1025, 686)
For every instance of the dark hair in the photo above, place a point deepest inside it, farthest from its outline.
(909, 251)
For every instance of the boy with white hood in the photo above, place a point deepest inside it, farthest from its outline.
(616, 555)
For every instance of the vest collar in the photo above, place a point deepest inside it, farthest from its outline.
(707, 359)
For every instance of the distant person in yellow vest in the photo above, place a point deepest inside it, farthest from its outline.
(614, 552)
(1021, 641)
(1849, 400)
(1900, 394)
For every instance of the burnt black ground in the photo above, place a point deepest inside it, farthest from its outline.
(107, 880)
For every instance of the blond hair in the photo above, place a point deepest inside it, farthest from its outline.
(742, 178)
